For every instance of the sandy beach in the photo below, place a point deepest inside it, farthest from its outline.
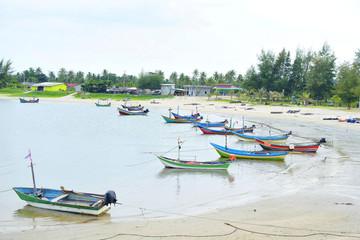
(305, 214)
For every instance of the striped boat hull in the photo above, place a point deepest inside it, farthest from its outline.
(226, 152)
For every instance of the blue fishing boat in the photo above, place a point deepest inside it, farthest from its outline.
(65, 200)
(277, 138)
(177, 120)
(210, 124)
(255, 155)
(193, 116)
(206, 130)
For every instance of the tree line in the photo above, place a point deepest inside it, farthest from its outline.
(312, 74)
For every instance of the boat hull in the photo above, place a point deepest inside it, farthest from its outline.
(70, 202)
(174, 120)
(126, 112)
(103, 105)
(206, 130)
(173, 163)
(245, 137)
(22, 100)
(193, 117)
(226, 152)
(295, 148)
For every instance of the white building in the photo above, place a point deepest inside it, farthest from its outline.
(167, 89)
(197, 90)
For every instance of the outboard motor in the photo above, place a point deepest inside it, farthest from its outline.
(110, 197)
(322, 140)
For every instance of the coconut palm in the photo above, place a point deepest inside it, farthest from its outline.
(305, 97)
(261, 93)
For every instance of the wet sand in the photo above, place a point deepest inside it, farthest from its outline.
(310, 213)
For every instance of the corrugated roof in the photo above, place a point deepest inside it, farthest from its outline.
(46, 84)
(228, 88)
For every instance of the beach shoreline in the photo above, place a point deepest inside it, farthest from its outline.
(307, 213)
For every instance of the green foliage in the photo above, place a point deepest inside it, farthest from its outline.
(96, 87)
(348, 82)
(120, 96)
(321, 75)
(266, 69)
(150, 81)
(5, 72)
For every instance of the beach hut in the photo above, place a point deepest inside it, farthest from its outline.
(49, 86)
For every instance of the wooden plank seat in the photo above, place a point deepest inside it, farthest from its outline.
(59, 197)
(96, 203)
(84, 204)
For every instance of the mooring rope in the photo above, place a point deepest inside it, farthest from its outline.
(6, 190)
(230, 225)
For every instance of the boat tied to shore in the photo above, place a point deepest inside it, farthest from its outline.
(28, 100)
(65, 200)
(249, 155)
(276, 138)
(103, 103)
(127, 112)
(195, 165)
(312, 147)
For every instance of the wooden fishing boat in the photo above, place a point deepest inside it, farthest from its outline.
(277, 138)
(209, 124)
(34, 100)
(126, 112)
(193, 116)
(206, 130)
(256, 155)
(133, 108)
(103, 103)
(180, 164)
(178, 120)
(63, 200)
(246, 129)
(291, 147)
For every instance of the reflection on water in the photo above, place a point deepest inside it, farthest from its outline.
(170, 172)
(40, 215)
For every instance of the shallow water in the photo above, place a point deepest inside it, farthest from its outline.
(92, 149)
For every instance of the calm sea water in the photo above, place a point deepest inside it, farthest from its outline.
(92, 149)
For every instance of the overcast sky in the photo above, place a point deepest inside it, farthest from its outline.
(167, 35)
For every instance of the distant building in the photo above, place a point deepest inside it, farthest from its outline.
(197, 90)
(77, 87)
(28, 84)
(49, 86)
(167, 89)
(224, 89)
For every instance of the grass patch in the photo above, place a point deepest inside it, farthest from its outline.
(119, 96)
(17, 92)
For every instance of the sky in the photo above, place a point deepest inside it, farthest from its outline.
(131, 36)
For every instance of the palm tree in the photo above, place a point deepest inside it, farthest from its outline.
(282, 96)
(5, 72)
(174, 78)
(52, 77)
(305, 97)
(195, 76)
(272, 95)
(230, 76)
(216, 93)
(261, 93)
(62, 75)
(202, 78)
